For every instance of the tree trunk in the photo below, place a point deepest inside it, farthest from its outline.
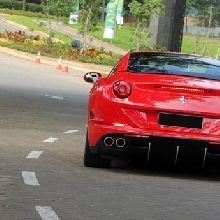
(103, 10)
(217, 54)
(49, 22)
(84, 43)
(135, 36)
(24, 5)
(208, 32)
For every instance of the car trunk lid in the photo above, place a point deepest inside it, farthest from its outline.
(171, 101)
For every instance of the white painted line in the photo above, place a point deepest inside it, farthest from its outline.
(70, 131)
(30, 178)
(56, 97)
(50, 139)
(46, 213)
(34, 154)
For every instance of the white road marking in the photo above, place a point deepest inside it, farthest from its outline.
(70, 131)
(46, 213)
(30, 178)
(50, 139)
(34, 154)
(56, 97)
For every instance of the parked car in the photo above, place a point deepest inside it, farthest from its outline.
(161, 107)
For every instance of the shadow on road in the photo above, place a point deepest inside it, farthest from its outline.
(141, 168)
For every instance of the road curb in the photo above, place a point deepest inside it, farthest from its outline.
(87, 67)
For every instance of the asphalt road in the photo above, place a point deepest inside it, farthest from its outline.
(42, 135)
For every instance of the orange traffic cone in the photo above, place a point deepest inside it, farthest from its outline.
(59, 64)
(65, 68)
(38, 57)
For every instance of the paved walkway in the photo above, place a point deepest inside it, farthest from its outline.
(73, 33)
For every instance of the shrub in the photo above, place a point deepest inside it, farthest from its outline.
(17, 5)
(23, 42)
(34, 7)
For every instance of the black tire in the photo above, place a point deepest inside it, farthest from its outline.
(94, 160)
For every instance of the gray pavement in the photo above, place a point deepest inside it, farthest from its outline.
(38, 102)
(65, 29)
(4, 25)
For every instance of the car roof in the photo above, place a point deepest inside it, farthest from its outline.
(168, 52)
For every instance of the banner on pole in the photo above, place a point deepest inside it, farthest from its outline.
(74, 13)
(110, 19)
(120, 12)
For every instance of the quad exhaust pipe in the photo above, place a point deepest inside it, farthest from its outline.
(109, 141)
(120, 142)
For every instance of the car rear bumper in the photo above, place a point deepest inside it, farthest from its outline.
(155, 147)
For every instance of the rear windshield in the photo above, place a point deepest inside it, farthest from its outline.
(177, 64)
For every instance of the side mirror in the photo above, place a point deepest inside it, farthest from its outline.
(92, 77)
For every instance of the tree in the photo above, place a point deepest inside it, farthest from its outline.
(89, 18)
(189, 5)
(127, 2)
(203, 8)
(57, 8)
(144, 12)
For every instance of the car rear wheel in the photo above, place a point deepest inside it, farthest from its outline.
(94, 160)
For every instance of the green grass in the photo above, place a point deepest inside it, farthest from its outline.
(122, 38)
(26, 21)
(32, 25)
(188, 46)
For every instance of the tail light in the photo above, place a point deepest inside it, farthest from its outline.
(181, 89)
(122, 89)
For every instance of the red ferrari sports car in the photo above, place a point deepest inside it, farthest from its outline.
(161, 107)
